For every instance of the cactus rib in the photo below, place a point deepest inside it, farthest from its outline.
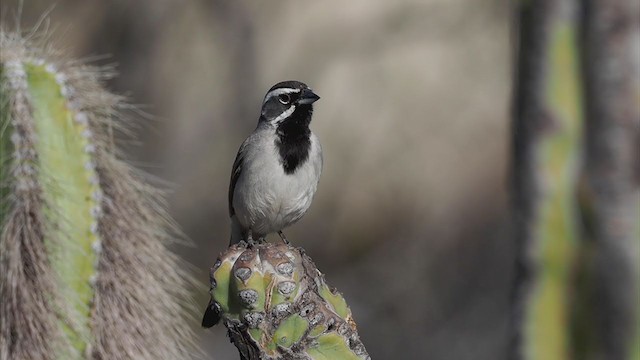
(84, 265)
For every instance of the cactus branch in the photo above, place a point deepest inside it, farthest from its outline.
(84, 268)
(547, 126)
(611, 40)
(27, 285)
(276, 304)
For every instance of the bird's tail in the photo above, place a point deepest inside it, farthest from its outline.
(211, 315)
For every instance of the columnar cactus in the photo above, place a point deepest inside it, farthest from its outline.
(576, 196)
(611, 45)
(276, 304)
(84, 272)
(548, 125)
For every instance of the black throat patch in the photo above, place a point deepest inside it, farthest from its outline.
(293, 139)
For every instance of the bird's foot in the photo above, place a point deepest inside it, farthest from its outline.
(251, 243)
(242, 243)
(284, 238)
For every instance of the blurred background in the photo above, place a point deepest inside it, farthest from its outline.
(414, 124)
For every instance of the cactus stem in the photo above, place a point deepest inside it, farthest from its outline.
(83, 239)
(69, 189)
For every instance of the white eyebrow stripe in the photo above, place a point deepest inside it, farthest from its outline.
(277, 92)
(284, 115)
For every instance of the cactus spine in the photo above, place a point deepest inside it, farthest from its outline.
(84, 272)
(69, 185)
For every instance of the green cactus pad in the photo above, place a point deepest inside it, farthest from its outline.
(274, 302)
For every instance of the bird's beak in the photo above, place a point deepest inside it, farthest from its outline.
(308, 97)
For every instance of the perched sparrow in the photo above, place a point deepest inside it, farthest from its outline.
(277, 169)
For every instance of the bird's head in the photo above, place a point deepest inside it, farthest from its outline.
(286, 101)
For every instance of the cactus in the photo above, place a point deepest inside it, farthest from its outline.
(276, 304)
(84, 271)
(576, 198)
(611, 44)
(548, 131)
(547, 137)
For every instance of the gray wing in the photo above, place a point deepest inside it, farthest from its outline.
(235, 174)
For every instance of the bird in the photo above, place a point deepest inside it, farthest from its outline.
(277, 169)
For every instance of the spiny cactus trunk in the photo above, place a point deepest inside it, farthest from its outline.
(611, 39)
(84, 272)
(577, 220)
(70, 197)
(276, 305)
(547, 136)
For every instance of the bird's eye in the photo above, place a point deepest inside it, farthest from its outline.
(284, 98)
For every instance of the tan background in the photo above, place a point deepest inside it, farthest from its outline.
(410, 218)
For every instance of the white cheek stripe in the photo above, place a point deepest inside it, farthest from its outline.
(277, 92)
(284, 115)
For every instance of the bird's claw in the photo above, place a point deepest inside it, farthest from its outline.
(284, 238)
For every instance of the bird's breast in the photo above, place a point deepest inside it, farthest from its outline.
(267, 198)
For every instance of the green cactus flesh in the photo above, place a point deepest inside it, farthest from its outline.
(337, 302)
(70, 192)
(548, 314)
(221, 291)
(331, 347)
(275, 297)
(290, 330)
